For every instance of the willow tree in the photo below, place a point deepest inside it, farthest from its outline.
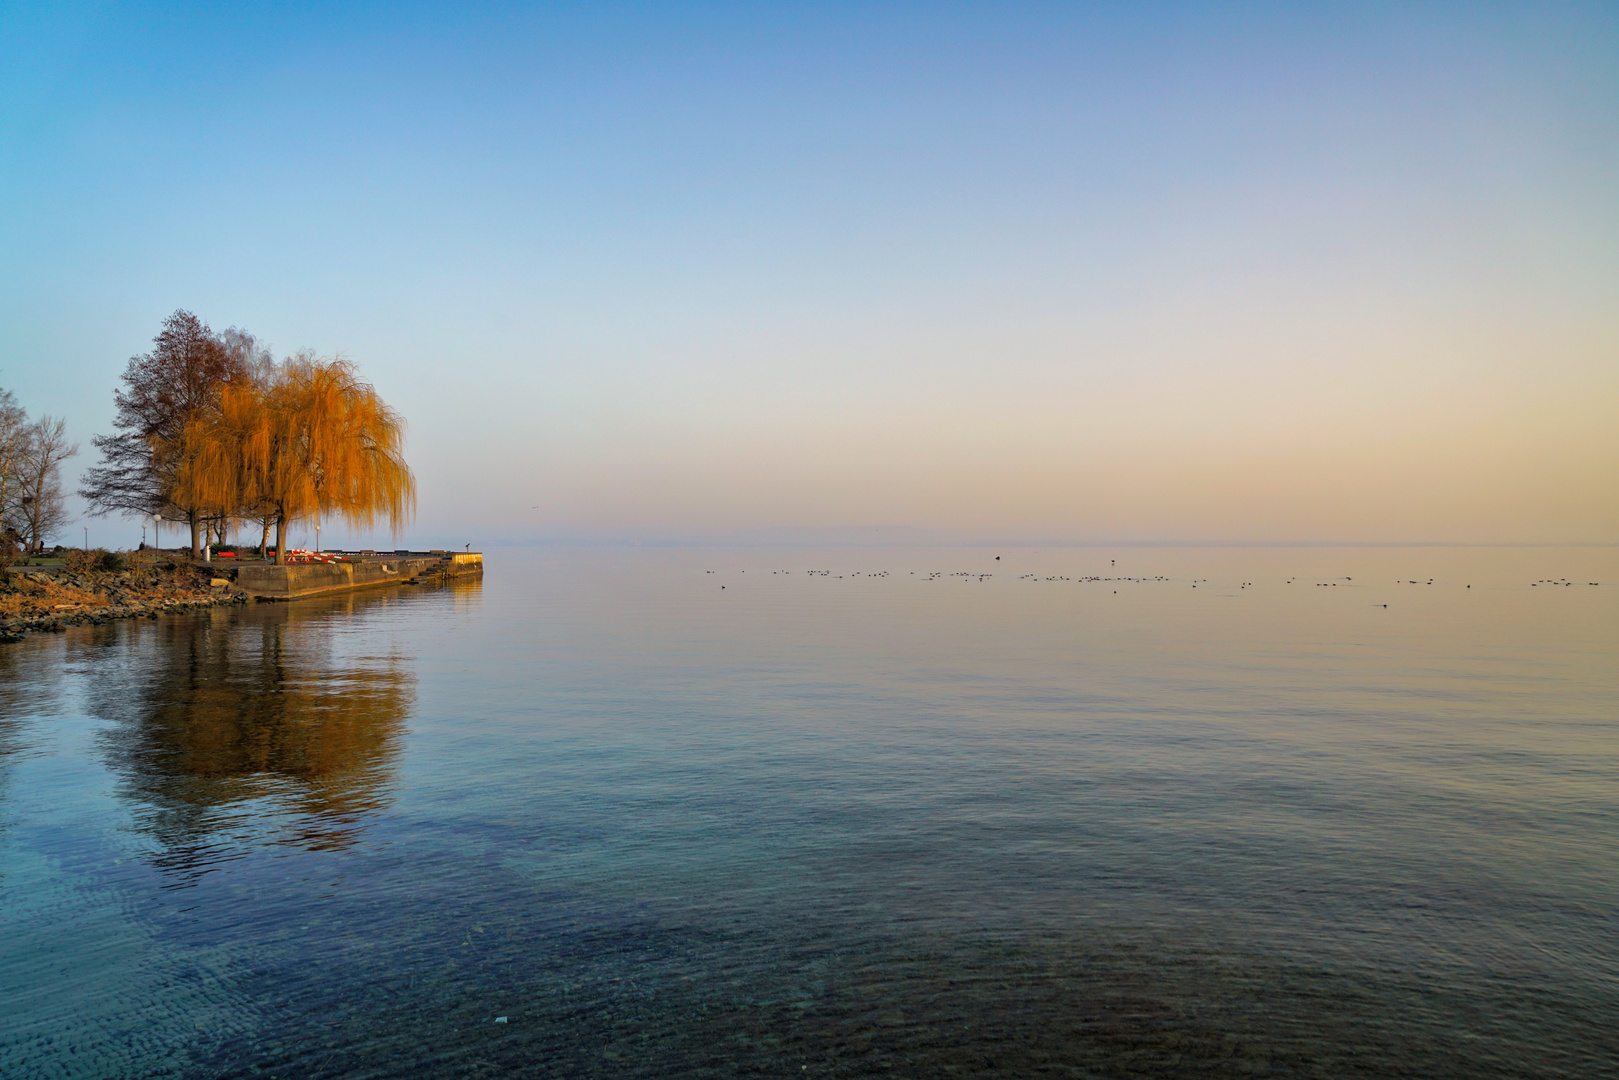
(310, 439)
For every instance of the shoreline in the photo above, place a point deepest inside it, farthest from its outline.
(52, 599)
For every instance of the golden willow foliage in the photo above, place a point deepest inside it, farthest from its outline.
(308, 438)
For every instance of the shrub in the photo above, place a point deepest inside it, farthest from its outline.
(79, 561)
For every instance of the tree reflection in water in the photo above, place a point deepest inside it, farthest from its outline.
(11, 724)
(238, 728)
(31, 692)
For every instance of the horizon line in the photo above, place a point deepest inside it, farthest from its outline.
(1048, 543)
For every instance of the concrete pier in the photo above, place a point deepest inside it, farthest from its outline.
(357, 570)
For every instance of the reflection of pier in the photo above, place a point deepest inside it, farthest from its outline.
(355, 570)
(249, 727)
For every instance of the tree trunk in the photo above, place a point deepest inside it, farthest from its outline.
(195, 522)
(281, 540)
(264, 540)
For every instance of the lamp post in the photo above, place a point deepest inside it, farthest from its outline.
(317, 536)
(87, 538)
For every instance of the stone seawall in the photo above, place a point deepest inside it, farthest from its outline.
(267, 581)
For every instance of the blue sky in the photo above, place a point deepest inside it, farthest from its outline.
(1092, 272)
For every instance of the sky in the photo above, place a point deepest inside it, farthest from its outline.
(946, 272)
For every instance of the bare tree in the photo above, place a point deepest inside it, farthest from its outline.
(41, 511)
(252, 355)
(13, 445)
(174, 385)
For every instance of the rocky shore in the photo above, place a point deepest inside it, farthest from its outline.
(53, 600)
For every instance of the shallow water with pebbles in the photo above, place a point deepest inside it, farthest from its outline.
(1072, 812)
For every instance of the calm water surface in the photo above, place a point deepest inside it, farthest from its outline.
(889, 818)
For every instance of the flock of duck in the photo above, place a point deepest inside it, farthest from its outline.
(981, 577)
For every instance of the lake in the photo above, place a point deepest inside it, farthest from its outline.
(1315, 812)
